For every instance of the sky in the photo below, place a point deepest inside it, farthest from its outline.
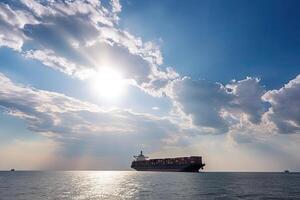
(85, 85)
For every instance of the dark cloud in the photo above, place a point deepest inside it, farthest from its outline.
(247, 98)
(202, 100)
(216, 106)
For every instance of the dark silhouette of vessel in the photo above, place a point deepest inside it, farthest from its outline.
(12, 170)
(178, 164)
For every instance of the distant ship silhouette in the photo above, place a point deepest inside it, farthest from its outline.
(12, 170)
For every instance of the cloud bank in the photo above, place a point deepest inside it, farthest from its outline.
(80, 38)
(79, 126)
(216, 106)
(285, 107)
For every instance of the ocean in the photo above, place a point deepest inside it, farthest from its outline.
(60, 185)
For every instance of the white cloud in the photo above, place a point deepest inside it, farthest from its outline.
(77, 124)
(116, 6)
(37, 8)
(16, 18)
(285, 110)
(49, 58)
(11, 24)
(82, 36)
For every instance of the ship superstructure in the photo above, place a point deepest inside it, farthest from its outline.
(178, 164)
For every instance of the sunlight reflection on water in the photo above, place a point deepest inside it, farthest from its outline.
(101, 184)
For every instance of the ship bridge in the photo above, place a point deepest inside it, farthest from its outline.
(140, 157)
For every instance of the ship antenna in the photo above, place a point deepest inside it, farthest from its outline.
(141, 152)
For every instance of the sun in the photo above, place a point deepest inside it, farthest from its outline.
(108, 83)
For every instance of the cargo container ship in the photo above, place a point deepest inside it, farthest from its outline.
(178, 164)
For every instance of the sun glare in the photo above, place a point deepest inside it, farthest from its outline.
(108, 83)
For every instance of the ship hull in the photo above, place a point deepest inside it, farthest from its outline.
(186, 168)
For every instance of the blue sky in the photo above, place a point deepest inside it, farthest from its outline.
(222, 40)
(91, 83)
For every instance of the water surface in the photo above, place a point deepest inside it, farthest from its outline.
(40, 185)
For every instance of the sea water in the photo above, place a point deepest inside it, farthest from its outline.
(43, 185)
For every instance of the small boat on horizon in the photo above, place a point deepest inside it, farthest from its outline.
(12, 170)
(286, 171)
